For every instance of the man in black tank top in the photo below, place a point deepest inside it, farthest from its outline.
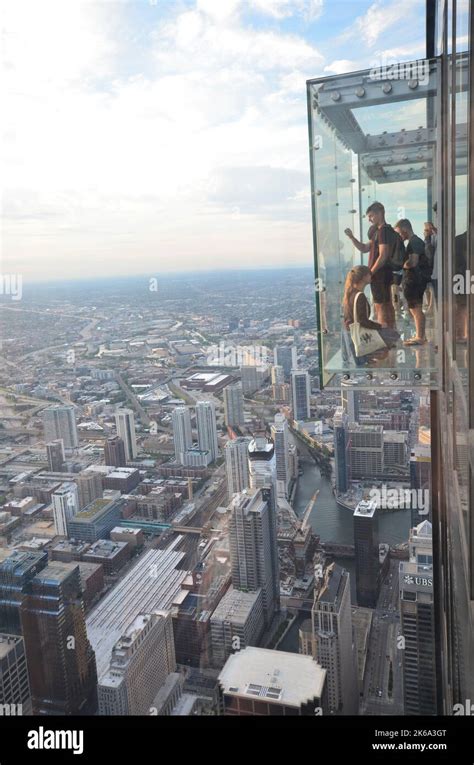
(382, 275)
(416, 275)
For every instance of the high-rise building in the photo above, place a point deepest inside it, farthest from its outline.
(366, 543)
(16, 573)
(55, 455)
(65, 506)
(114, 452)
(250, 378)
(182, 433)
(207, 428)
(234, 406)
(366, 451)
(281, 393)
(60, 423)
(282, 455)
(418, 624)
(259, 681)
(15, 693)
(95, 521)
(125, 424)
(236, 623)
(61, 662)
(333, 640)
(253, 547)
(277, 375)
(350, 400)
(196, 457)
(237, 465)
(395, 453)
(300, 394)
(142, 659)
(262, 463)
(285, 356)
(341, 450)
(420, 481)
(89, 487)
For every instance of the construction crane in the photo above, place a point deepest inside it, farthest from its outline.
(309, 508)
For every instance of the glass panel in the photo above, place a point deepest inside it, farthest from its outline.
(373, 138)
(335, 194)
(460, 260)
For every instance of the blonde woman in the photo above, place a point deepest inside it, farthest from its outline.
(357, 279)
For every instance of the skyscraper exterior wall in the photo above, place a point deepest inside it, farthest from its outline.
(89, 487)
(300, 394)
(395, 452)
(350, 401)
(262, 463)
(234, 406)
(237, 465)
(182, 433)
(450, 30)
(277, 375)
(16, 573)
(418, 624)
(236, 623)
(125, 424)
(55, 455)
(341, 450)
(207, 428)
(61, 662)
(366, 543)
(141, 660)
(333, 639)
(285, 357)
(14, 684)
(282, 456)
(250, 379)
(65, 506)
(253, 547)
(366, 451)
(114, 452)
(60, 422)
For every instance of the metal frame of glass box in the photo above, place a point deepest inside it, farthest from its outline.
(374, 135)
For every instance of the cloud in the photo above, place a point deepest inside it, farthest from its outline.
(382, 17)
(194, 37)
(260, 189)
(281, 9)
(340, 66)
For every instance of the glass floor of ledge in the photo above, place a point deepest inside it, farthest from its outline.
(400, 358)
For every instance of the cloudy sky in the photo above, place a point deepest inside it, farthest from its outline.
(154, 135)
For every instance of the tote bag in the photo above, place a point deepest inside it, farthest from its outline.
(365, 340)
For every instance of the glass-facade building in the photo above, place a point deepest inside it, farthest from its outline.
(402, 134)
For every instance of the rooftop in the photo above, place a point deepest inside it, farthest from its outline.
(276, 676)
(236, 606)
(365, 509)
(7, 642)
(152, 583)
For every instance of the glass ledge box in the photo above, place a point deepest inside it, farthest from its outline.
(374, 136)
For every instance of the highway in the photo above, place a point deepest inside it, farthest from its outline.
(383, 653)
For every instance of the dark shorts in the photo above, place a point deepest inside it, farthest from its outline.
(380, 285)
(414, 287)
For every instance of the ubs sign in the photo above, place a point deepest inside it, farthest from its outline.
(419, 581)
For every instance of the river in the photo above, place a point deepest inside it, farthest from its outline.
(333, 524)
